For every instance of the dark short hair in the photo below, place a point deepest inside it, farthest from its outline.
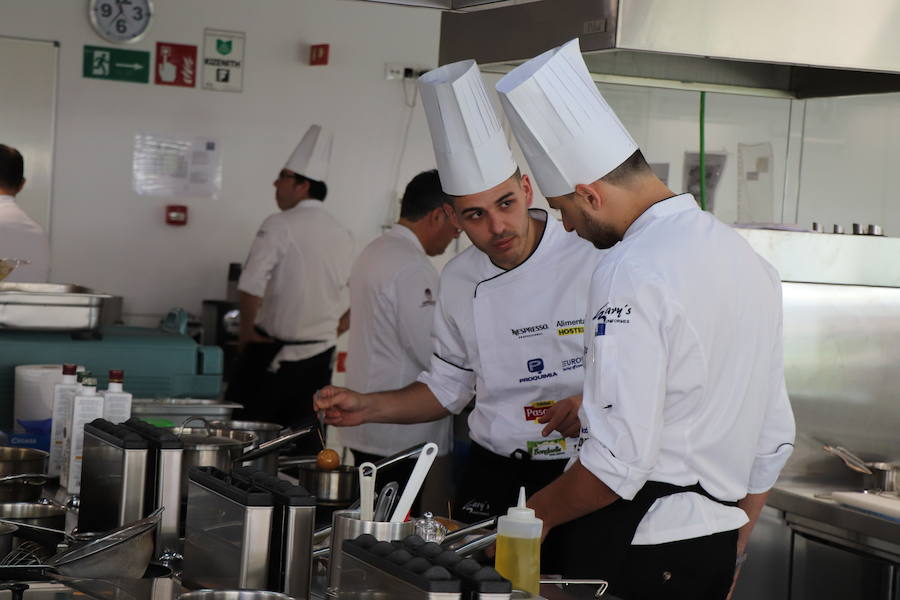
(12, 168)
(634, 166)
(423, 194)
(317, 189)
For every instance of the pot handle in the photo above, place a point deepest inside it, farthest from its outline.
(197, 418)
(267, 448)
(464, 531)
(600, 583)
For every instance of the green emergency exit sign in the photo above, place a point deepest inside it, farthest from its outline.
(116, 64)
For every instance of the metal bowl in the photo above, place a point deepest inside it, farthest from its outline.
(15, 461)
(124, 552)
(338, 487)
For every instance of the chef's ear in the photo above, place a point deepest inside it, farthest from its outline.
(525, 182)
(450, 210)
(589, 194)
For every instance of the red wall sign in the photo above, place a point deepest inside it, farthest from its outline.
(176, 64)
(318, 54)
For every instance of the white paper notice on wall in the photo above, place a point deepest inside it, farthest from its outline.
(755, 193)
(223, 60)
(177, 167)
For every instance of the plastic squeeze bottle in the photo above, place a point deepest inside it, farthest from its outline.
(519, 547)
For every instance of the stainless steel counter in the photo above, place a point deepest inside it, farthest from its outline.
(809, 509)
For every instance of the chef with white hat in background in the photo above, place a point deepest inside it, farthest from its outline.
(294, 298)
(508, 321)
(686, 420)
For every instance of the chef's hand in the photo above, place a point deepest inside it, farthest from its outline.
(341, 407)
(563, 417)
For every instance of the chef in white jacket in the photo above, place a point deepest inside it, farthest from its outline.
(508, 322)
(20, 237)
(393, 292)
(293, 295)
(686, 418)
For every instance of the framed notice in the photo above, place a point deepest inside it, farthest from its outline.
(223, 60)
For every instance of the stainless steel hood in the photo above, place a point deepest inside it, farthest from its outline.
(793, 48)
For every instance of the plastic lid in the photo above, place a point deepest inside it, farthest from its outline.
(89, 381)
(116, 375)
(521, 512)
(69, 369)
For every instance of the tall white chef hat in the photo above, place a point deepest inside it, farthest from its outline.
(469, 145)
(312, 155)
(566, 130)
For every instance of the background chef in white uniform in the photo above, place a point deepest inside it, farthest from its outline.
(508, 322)
(686, 418)
(293, 295)
(393, 292)
(20, 237)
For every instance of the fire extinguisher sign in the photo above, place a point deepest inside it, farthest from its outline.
(176, 64)
(223, 60)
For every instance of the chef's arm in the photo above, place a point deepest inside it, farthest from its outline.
(575, 493)
(413, 404)
(249, 307)
(752, 504)
(343, 323)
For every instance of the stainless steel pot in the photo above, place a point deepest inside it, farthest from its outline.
(52, 516)
(210, 447)
(26, 487)
(6, 538)
(338, 487)
(264, 432)
(19, 461)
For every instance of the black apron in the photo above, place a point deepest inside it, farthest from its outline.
(593, 546)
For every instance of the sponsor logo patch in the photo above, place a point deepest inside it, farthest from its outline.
(613, 314)
(536, 366)
(537, 409)
(530, 330)
(573, 363)
(572, 327)
(547, 447)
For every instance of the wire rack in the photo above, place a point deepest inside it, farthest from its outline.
(26, 553)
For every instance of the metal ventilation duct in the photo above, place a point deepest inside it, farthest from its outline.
(798, 48)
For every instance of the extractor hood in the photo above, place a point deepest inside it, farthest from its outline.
(788, 48)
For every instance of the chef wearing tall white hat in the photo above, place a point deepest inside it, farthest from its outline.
(293, 293)
(508, 322)
(686, 419)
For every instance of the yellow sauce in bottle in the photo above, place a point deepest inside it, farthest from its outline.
(519, 560)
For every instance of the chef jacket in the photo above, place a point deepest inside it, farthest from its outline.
(21, 237)
(299, 264)
(684, 375)
(393, 292)
(515, 337)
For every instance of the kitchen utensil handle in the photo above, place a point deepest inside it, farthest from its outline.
(412, 452)
(464, 531)
(423, 464)
(850, 459)
(267, 448)
(386, 501)
(476, 545)
(366, 491)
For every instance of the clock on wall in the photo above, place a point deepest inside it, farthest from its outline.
(121, 21)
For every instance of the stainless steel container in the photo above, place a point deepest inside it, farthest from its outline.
(210, 447)
(113, 476)
(50, 307)
(336, 487)
(15, 461)
(6, 538)
(264, 432)
(346, 525)
(227, 532)
(163, 483)
(233, 595)
(176, 410)
(52, 516)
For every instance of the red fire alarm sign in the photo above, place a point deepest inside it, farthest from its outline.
(176, 214)
(318, 54)
(176, 64)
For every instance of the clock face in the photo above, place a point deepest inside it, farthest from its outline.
(121, 20)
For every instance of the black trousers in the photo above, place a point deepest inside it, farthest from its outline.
(285, 396)
(490, 485)
(695, 569)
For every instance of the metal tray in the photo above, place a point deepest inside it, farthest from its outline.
(177, 410)
(50, 307)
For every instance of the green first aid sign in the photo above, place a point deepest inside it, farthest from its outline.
(116, 64)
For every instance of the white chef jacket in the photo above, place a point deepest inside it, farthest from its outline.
(21, 237)
(393, 292)
(684, 378)
(299, 264)
(516, 337)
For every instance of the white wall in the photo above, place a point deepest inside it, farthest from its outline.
(105, 236)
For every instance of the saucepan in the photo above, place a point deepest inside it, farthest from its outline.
(881, 476)
(209, 447)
